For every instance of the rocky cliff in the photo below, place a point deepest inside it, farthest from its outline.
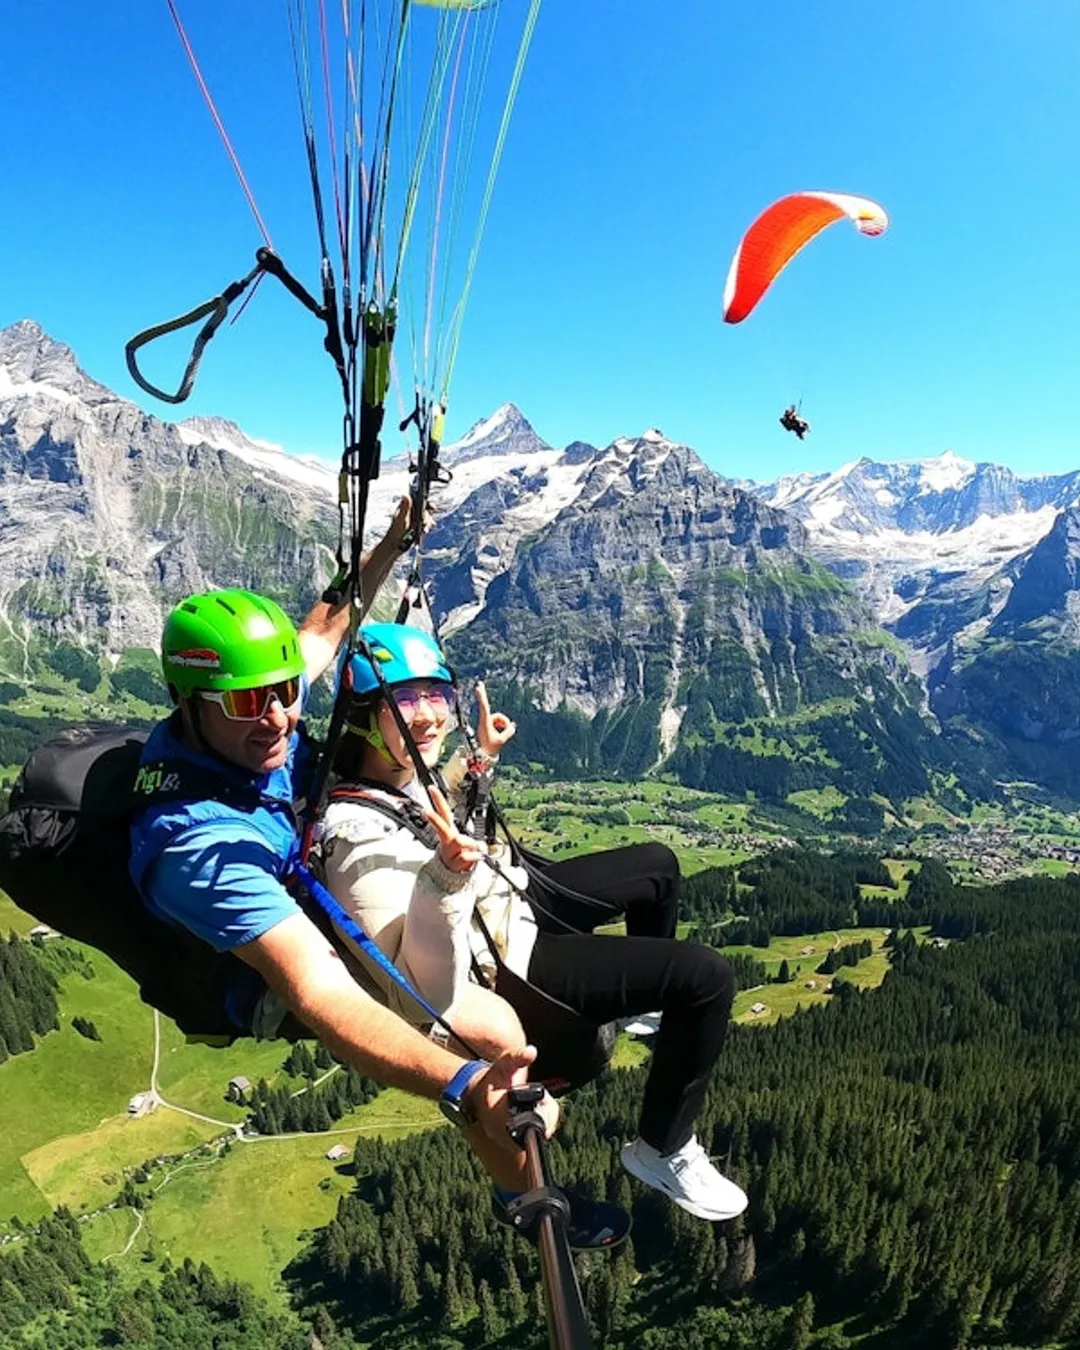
(108, 515)
(665, 617)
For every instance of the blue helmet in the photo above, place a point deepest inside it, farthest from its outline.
(402, 654)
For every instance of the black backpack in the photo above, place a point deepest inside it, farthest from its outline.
(64, 850)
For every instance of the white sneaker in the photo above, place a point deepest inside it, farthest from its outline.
(687, 1177)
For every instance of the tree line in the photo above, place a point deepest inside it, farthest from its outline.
(789, 893)
(53, 1298)
(277, 1110)
(910, 1153)
(28, 1005)
(849, 954)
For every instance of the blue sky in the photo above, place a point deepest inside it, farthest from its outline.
(646, 138)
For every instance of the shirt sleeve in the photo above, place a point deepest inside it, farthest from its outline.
(220, 881)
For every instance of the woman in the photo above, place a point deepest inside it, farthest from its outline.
(425, 890)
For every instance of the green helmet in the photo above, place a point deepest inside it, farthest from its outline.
(228, 640)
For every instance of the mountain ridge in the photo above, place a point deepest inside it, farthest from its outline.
(658, 615)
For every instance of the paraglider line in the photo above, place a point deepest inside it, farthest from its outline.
(439, 192)
(219, 124)
(328, 92)
(248, 298)
(489, 187)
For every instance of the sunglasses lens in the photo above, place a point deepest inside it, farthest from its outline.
(436, 695)
(248, 705)
(288, 691)
(243, 705)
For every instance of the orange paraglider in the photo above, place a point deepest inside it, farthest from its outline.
(780, 232)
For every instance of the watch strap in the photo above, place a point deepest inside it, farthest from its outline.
(455, 1090)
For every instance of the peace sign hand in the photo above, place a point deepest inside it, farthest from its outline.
(459, 852)
(493, 729)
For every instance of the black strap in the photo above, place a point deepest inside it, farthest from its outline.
(217, 308)
(214, 311)
(403, 810)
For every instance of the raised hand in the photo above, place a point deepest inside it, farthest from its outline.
(493, 730)
(459, 852)
(401, 533)
(398, 531)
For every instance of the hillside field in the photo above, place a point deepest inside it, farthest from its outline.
(243, 1205)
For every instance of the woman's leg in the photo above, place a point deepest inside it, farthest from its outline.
(640, 881)
(604, 978)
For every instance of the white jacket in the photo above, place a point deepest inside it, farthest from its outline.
(418, 911)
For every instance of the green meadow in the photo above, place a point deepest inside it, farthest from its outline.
(565, 819)
(85, 1171)
(806, 987)
(70, 1086)
(245, 1205)
(13, 919)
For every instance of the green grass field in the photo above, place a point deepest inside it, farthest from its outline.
(822, 803)
(781, 1000)
(196, 1076)
(66, 1137)
(85, 1171)
(1054, 867)
(13, 919)
(106, 1234)
(70, 1085)
(562, 820)
(246, 1212)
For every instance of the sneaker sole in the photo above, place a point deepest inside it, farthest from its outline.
(630, 1162)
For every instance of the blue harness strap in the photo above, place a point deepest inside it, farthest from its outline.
(346, 924)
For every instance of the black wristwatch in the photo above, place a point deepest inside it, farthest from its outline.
(452, 1103)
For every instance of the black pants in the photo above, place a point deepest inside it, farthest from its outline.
(606, 977)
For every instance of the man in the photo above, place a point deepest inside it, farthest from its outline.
(238, 672)
(792, 420)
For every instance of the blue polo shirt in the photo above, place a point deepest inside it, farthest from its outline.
(213, 866)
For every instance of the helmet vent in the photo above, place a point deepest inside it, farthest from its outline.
(225, 606)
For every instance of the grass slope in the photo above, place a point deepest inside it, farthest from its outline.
(85, 1171)
(245, 1212)
(69, 1085)
(565, 819)
(781, 1000)
(66, 1138)
(13, 919)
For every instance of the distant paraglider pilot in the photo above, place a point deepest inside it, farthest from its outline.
(792, 420)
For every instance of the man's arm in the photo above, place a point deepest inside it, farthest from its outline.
(301, 966)
(324, 629)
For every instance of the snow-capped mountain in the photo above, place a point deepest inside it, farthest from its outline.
(923, 496)
(271, 461)
(902, 531)
(479, 541)
(627, 586)
(112, 506)
(107, 514)
(503, 443)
